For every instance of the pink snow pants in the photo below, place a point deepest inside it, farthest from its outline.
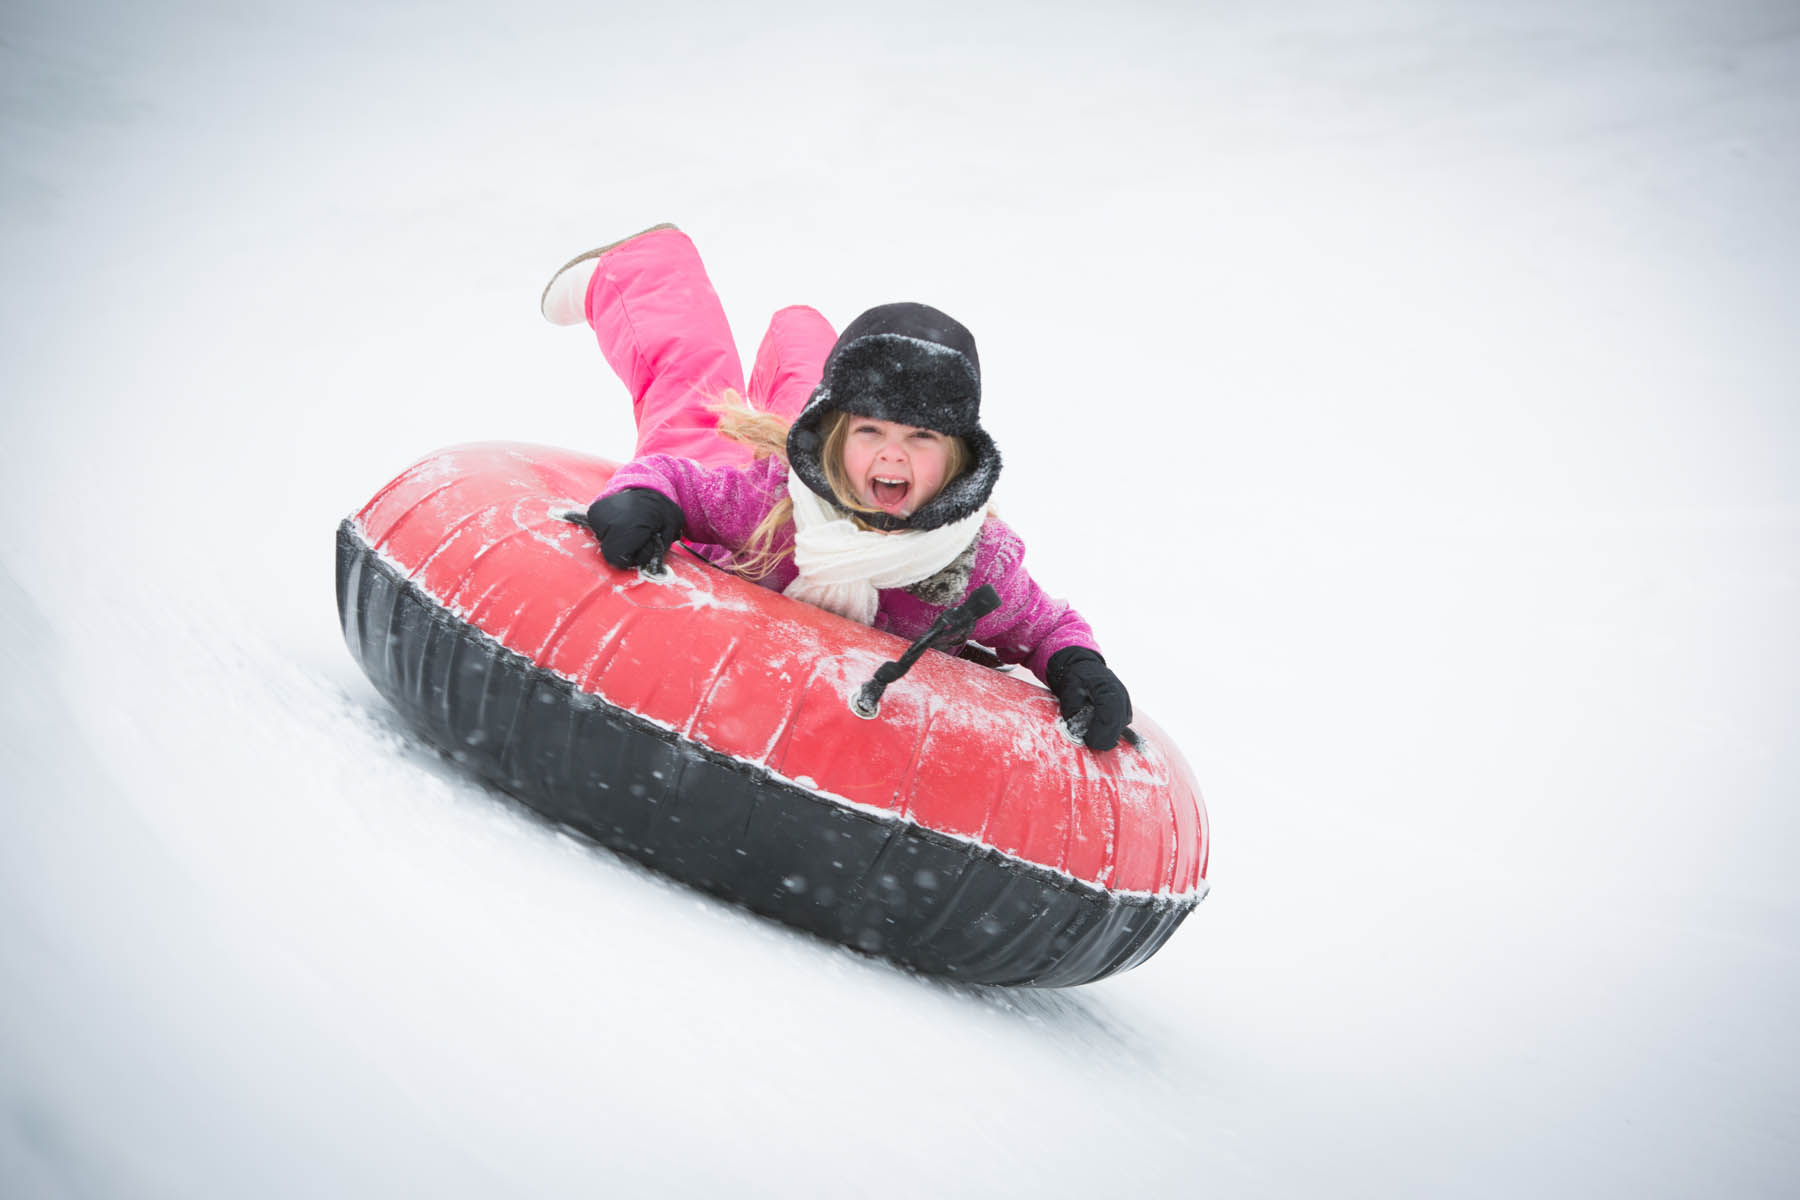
(661, 327)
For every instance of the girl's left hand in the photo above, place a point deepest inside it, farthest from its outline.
(1081, 679)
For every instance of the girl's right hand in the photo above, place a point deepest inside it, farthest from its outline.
(635, 526)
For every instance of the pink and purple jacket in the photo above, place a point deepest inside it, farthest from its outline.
(724, 505)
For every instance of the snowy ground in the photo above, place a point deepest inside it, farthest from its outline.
(1406, 390)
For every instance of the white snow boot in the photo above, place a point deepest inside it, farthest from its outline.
(564, 301)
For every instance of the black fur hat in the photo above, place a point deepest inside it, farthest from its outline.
(911, 364)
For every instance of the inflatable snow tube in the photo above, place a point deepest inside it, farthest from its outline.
(704, 726)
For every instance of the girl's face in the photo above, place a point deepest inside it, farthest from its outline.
(895, 468)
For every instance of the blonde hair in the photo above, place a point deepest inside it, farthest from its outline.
(766, 435)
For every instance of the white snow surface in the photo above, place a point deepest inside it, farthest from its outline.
(1405, 390)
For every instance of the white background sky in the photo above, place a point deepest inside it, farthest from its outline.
(1406, 392)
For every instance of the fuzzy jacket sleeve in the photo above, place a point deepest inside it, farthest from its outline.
(721, 505)
(1030, 625)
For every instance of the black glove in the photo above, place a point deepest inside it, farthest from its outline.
(635, 526)
(1080, 678)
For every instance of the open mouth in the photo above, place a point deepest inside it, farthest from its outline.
(888, 494)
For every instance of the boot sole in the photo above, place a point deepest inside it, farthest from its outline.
(586, 255)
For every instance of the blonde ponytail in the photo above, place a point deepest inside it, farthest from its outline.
(764, 432)
(766, 435)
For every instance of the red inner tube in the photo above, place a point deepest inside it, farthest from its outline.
(476, 539)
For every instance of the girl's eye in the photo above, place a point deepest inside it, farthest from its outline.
(926, 435)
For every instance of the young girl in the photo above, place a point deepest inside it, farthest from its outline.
(873, 504)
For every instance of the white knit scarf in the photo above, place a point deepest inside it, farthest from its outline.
(842, 566)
